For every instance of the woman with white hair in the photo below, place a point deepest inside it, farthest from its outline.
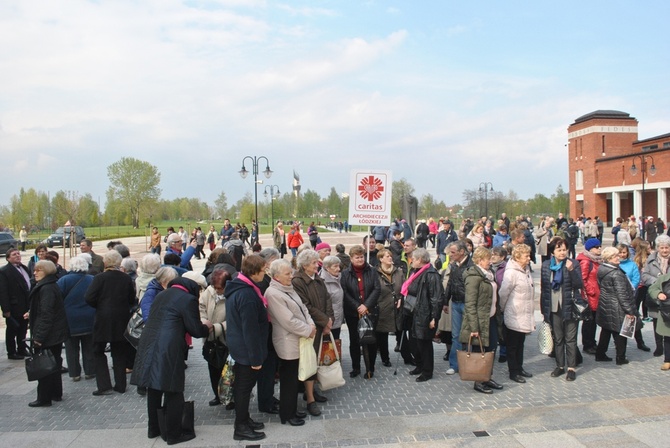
(80, 318)
(163, 276)
(656, 266)
(331, 277)
(149, 264)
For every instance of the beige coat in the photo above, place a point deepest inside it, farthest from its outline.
(517, 298)
(214, 312)
(290, 319)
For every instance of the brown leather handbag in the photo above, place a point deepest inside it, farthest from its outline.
(474, 366)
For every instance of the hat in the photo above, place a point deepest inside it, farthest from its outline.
(591, 243)
(198, 278)
(321, 246)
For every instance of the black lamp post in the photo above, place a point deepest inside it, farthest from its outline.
(644, 170)
(486, 187)
(267, 172)
(274, 193)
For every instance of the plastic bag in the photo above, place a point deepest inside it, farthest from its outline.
(227, 382)
(307, 362)
(544, 339)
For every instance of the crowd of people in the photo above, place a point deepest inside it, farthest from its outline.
(477, 291)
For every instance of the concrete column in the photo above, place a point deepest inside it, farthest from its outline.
(637, 203)
(662, 205)
(616, 206)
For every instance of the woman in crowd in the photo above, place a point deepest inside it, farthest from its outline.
(623, 236)
(543, 235)
(479, 317)
(390, 280)
(159, 366)
(291, 320)
(313, 234)
(247, 336)
(279, 238)
(425, 284)
(476, 236)
(80, 318)
(361, 288)
(163, 277)
(40, 254)
(616, 301)
(312, 290)
(331, 277)
(213, 308)
(517, 297)
(657, 265)
(155, 244)
(561, 281)
(294, 239)
(630, 268)
(48, 329)
(660, 293)
(640, 255)
(212, 238)
(149, 265)
(200, 243)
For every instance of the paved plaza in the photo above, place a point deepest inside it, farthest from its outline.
(608, 405)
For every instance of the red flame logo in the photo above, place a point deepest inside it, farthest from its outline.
(370, 188)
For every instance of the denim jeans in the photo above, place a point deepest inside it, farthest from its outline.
(457, 310)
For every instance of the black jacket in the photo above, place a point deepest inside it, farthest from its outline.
(112, 294)
(352, 298)
(572, 283)
(48, 322)
(14, 291)
(455, 291)
(428, 290)
(617, 298)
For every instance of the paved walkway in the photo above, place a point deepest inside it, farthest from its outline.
(608, 405)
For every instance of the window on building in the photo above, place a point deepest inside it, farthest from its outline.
(666, 145)
(579, 180)
(649, 148)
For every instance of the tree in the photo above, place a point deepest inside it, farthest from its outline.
(334, 203)
(310, 204)
(135, 184)
(221, 205)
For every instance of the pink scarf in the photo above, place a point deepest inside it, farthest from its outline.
(248, 281)
(408, 282)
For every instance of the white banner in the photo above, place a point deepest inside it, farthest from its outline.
(370, 193)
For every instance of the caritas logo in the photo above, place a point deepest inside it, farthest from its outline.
(370, 188)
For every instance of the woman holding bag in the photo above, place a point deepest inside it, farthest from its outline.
(290, 321)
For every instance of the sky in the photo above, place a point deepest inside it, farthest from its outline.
(446, 94)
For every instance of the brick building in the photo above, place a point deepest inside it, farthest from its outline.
(612, 173)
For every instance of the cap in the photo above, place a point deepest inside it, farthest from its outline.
(321, 246)
(591, 243)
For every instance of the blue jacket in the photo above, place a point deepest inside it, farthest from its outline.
(632, 272)
(247, 324)
(499, 239)
(80, 315)
(185, 257)
(444, 239)
(148, 298)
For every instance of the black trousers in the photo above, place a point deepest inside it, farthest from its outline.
(422, 349)
(620, 343)
(383, 345)
(266, 378)
(245, 380)
(15, 333)
(51, 386)
(214, 377)
(174, 408)
(119, 357)
(589, 332)
(355, 347)
(288, 388)
(515, 342)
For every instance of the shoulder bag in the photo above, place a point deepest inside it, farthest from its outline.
(330, 376)
(474, 366)
(40, 363)
(134, 327)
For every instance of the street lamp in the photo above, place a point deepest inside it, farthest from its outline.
(274, 194)
(267, 172)
(486, 187)
(644, 170)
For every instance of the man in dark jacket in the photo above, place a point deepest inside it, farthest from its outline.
(459, 262)
(445, 237)
(97, 265)
(422, 232)
(14, 291)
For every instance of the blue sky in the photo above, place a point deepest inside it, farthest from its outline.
(445, 94)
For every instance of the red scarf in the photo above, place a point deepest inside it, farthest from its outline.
(408, 282)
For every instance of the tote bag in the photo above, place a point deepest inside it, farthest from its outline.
(544, 339)
(307, 362)
(474, 366)
(330, 376)
(40, 363)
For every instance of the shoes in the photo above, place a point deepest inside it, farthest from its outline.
(15, 357)
(230, 406)
(89, 377)
(517, 378)
(397, 348)
(571, 375)
(526, 374)
(273, 410)
(416, 371)
(76, 378)
(99, 393)
(410, 363)
(481, 387)
(313, 409)
(493, 385)
(647, 319)
(665, 366)
(300, 414)
(387, 364)
(63, 370)
(450, 371)
(255, 425)
(658, 351)
(552, 354)
(119, 390)
(368, 375)
(215, 402)
(502, 358)
(317, 397)
(643, 347)
(421, 378)
(621, 361)
(603, 358)
(57, 398)
(446, 357)
(152, 434)
(294, 421)
(354, 373)
(246, 433)
(39, 404)
(558, 371)
(141, 390)
(590, 350)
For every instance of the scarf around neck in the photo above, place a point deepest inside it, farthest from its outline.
(408, 282)
(248, 281)
(557, 268)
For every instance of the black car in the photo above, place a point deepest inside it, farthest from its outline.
(7, 242)
(56, 238)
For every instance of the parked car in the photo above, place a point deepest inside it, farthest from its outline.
(7, 242)
(56, 238)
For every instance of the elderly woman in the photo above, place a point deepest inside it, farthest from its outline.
(476, 235)
(657, 265)
(80, 318)
(390, 280)
(162, 278)
(361, 288)
(425, 285)
(148, 265)
(291, 320)
(617, 301)
(213, 308)
(517, 300)
(111, 293)
(279, 238)
(159, 366)
(48, 328)
(561, 282)
(312, 290)
(331, 277)
(543, 235)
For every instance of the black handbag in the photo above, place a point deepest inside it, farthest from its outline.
(366, 331)
(215, 353)
(40, 363)
(134, 328)
(580, 310)
(409, 303)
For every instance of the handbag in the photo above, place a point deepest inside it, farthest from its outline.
(580, 310)
(544, 339)
(215, 353)
(474, 366)
(134, 328)
(307, 362)
(409, 303)
(40, 363)
(227, 381)
(366, 331)
(330, 376)
(327, 352)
